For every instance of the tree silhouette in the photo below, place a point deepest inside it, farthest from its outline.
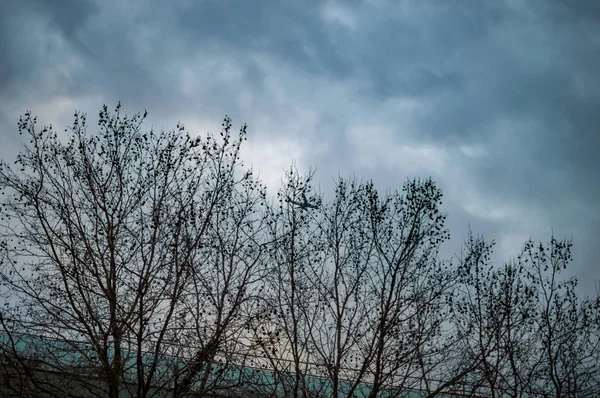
(110, 240)
(152, 264)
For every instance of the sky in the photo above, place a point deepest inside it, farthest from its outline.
(497, 100)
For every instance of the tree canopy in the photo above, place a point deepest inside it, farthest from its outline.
(154, 264)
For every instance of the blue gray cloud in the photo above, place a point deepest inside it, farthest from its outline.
(497, 100)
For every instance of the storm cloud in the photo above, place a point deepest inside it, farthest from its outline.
(498, 101)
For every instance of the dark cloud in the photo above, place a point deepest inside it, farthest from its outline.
(501, 97)
(31, 31)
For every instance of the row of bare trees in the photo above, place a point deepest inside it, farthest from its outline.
(154, 264)
(531, 333)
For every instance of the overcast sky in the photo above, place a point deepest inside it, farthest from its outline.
(498, 100)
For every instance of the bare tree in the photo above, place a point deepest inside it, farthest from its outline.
(226, 283)
(380, 295)
(282, 330)
(340, 280)
(407, 283)
(568, 328)
(358, 290)
(526, 333)
(102, 241)
(494, 313)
